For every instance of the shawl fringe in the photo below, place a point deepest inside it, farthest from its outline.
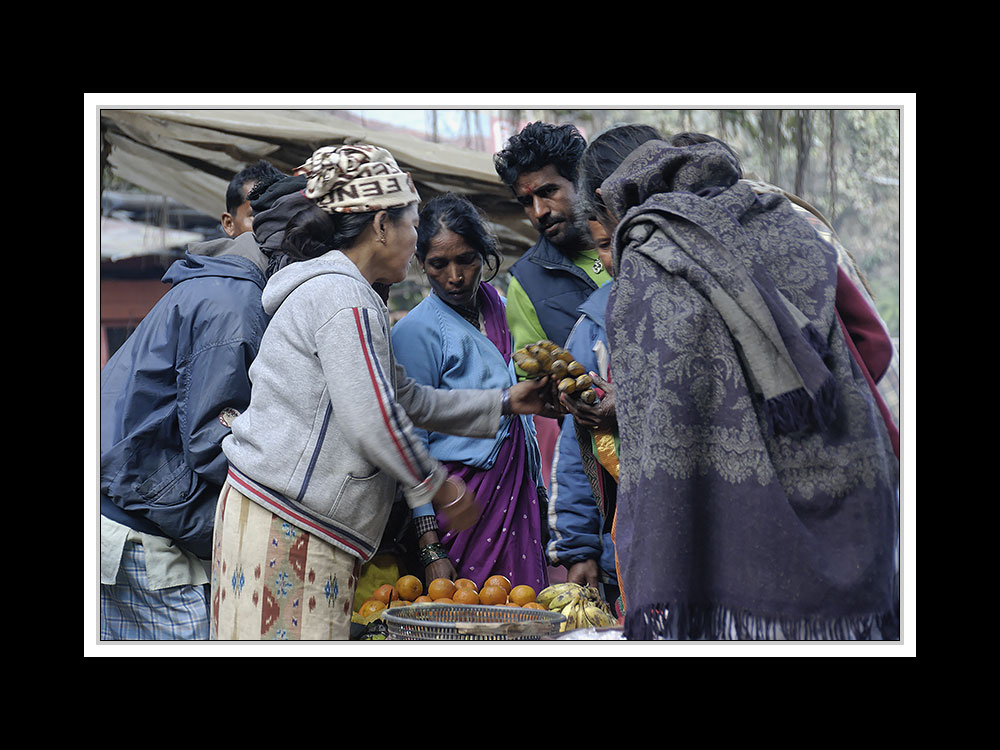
(683, 622)
(799, 410)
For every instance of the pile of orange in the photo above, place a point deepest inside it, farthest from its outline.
(496, 590)
(403, 592)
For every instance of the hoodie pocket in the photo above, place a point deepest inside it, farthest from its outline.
(164, 486)
(363, 504)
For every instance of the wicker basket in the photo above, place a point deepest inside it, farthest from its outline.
(470, 622)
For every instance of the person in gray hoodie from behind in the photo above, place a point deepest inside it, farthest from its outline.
(329, 430)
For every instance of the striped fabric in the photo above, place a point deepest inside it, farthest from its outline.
(299, 515)
(131, 612)
(388, 406)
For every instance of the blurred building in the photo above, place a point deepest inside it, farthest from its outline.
(140, 236)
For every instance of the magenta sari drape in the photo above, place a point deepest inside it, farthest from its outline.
(507, 538)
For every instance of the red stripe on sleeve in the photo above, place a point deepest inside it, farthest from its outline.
(378, 396)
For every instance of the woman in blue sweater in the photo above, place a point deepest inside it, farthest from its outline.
(458, 337)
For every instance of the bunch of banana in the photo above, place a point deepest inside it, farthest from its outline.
(548, 358)
(582, 606)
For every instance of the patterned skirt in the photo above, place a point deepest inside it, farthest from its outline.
(273, 581)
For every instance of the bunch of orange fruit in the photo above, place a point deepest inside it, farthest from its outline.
(497, 590)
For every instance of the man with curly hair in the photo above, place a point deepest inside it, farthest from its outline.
(562, 269)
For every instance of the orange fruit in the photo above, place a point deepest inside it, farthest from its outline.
(509, 603)
(441, 588)
(422, 599)
(492, 595)
(370, 607)
(399, 603)
(385, 593)
(533, 605)
(466, 595)
(498, 580)
(466, 583)
(444, 600)
(522, 594)
(409, 587)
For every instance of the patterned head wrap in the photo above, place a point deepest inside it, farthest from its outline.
(346, 179)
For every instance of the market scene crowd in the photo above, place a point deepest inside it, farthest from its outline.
(273, 447)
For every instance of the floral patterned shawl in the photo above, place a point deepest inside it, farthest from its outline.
(757, 492)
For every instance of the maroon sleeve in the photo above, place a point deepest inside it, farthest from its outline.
(868, 330)
(864, 327)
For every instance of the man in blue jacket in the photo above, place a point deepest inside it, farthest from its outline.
(580, 527)
(168, 397)
(581, 531)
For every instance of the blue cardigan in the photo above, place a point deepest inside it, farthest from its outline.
(439, 348)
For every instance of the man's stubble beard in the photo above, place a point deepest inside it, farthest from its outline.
(573, 240)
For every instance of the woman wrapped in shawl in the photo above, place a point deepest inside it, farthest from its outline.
(757, 480)
(457, 337)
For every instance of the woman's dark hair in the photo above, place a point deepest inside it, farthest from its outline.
(538, 145)
(602, 157)
(313, 232)
(460, 215)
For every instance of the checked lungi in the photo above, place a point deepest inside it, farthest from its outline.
(132, 612)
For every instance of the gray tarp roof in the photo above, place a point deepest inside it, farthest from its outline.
(127, 239)
(190, 155)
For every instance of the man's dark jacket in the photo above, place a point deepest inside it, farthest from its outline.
(556, 287)
(167, 395)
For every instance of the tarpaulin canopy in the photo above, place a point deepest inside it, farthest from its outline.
(191, 154)
(127, 239)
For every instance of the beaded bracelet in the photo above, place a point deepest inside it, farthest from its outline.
(432, 552)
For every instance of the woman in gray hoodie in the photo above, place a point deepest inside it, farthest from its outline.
(329, 433)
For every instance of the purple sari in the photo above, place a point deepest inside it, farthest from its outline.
(507, 538)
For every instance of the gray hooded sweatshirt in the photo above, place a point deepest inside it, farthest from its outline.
(329, 430)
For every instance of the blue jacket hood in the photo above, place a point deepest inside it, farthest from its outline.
(195, 266)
